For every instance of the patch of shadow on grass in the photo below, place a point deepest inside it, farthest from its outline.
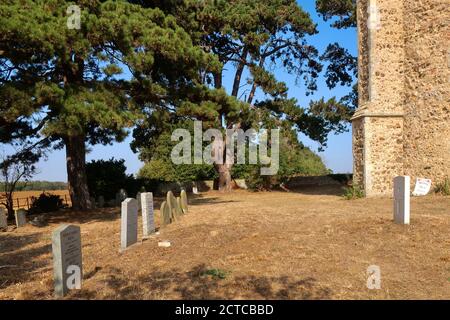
(210, 200)
(81, 217)
(22, 264)
(196, 284)
(319, 190)
(12, 242)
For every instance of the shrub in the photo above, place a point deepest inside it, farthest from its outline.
(46, 202)
(353, 192)
(106, 177)
(165, 170)
(295, 159)
(443, 187)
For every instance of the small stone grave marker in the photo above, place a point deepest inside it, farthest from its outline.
(184, 201)
(67, 260)
(101, 201)
(93, 203)
(21, 217)
(3, 218)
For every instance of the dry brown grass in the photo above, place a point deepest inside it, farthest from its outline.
(300, 245)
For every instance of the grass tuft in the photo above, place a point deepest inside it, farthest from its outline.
(353, 192)
(443, 187)
(216, 273)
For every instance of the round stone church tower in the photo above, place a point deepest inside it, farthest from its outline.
(402, 125)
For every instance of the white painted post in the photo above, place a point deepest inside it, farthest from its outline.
(401, 199)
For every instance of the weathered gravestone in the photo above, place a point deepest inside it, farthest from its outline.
(175, 210)
(148, 222)
(21, 217)
(401, 199)
(422, 187)
(128, 223)
(101, 201)
(184, 201)
(165, 213)
(93, 203)
(139, 200)
(67, 261)
(179, 205)
(121, 196)
(3, 218)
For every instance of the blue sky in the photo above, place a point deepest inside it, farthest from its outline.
(337, 156)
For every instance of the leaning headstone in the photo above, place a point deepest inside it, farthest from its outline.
(179, 205)
(422, 187)
(128, 223)
(121, 196)
(165, 213)
(3, 219)
(148, 222)
(67, 262)
(21, 217)
(184, 201)
(401, 199)
(195, 188)
(101, 201)
(173, 205)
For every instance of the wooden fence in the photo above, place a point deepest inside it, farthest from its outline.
(25, 203)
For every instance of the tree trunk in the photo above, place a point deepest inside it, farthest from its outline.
(238, 75)
(10, 206)
(76, 173)
(253, 90)
(225, 180)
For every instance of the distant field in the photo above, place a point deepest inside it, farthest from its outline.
(20, 197)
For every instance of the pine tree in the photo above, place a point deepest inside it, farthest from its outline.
(72, 87)
(260, 36)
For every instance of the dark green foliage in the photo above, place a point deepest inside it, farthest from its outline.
(260, 37)
(353, 192)
(165, 170)
(67, 86)
(295, 159)
(344, 10)
(107, 177)
(46, 202)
